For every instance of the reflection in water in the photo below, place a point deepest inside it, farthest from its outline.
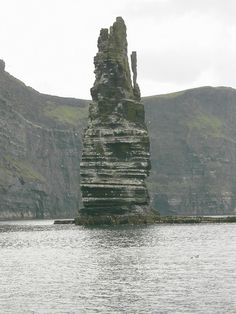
(46, 268)
(120, 270)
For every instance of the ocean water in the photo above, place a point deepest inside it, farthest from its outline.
(46, 268)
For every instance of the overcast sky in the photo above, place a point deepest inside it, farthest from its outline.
(50, 44)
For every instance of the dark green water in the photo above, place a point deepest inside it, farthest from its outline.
(46, 268)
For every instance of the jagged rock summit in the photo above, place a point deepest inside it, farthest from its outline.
(115, 158)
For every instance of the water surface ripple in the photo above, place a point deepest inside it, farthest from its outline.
(46, 268)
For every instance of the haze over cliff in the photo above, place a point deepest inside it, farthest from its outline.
(193, 151)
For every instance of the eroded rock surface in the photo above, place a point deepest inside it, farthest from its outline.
(40, 146)
(115, 157)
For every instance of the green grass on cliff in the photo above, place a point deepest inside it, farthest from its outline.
(67, 114)
(5, 175)
(206, 123)
(193, 135)
(22, 169)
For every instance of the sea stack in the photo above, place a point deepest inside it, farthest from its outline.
(116, 149)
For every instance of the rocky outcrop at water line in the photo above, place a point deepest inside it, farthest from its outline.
(115, 158)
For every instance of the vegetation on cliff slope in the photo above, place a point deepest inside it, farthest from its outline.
(39, 151)
(193, 150)
(193, 136)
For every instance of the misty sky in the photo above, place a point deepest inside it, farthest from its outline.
(50, 44)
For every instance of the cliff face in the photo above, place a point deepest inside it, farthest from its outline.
(192, 137)
(115, 158)
(193, 149)
(39, 152)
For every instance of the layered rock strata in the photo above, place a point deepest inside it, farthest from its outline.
(39, 170)
(115, 158)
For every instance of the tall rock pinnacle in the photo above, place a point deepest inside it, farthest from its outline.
(115, 158)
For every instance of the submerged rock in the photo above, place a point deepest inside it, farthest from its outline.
(115, 157)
